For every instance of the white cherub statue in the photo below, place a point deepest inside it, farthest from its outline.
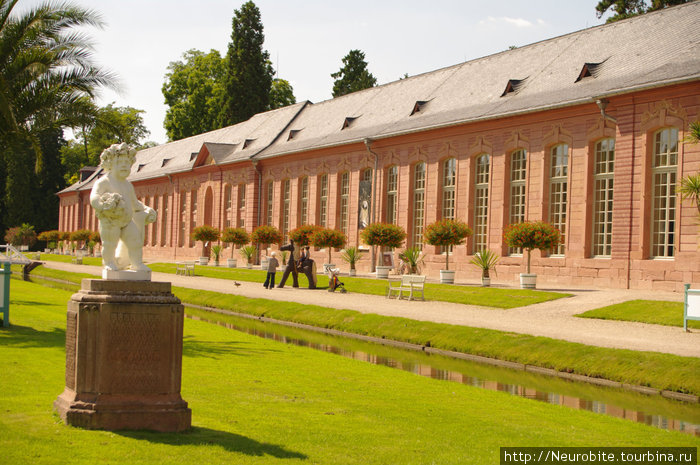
(122, 216)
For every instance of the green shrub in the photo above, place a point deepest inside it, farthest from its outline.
(446, 233)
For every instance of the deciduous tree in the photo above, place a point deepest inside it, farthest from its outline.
(624, 9)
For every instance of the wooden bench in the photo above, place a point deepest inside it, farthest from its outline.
(184, 268)
(409, 283)
(78, 260)
(691, 307)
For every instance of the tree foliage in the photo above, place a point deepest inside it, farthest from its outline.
(329, 238)
(446, 233)
(532, 235)
(193, 91)
(383, 235)
(302, 235)
(623, 9)
(266, 234)
(353, 76)
(281, 94)
(248, 74)
(21, 235)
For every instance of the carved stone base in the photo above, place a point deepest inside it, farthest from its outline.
(127, 275)
(124, 358)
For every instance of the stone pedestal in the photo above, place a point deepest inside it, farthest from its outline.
(124, 358)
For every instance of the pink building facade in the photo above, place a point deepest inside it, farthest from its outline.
(594, 144)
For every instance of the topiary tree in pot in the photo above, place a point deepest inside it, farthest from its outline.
(266, 234)
(531, 235)
(302, 235)
(236, 236)
(81, 236)
(447, 234)
(51, 238)
(328, 238)
(205, 234)
(383, 235)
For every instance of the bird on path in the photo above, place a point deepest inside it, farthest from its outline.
(236, 283)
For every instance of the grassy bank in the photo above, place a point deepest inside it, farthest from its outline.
(259, 402)
(645, 311)
(660, 371)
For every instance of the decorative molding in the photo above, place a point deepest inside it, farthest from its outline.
(516, 141)
(481, 145)
(286, 173)
(189, 184)
(344, 164)
(322, 167)
(602, 127)
(662, 114)
(557, 134)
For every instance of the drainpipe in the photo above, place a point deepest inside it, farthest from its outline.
(368, 144)
(259, 171)
(603, 104)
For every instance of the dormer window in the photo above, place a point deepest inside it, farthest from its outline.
(418, 107)
(247, 143)
(589, 70)
(165, 162)
(513, 86)
(348, 121)
(293, 133)
(140, 168)
(193, 155)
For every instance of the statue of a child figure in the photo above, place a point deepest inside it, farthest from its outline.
(122, 216)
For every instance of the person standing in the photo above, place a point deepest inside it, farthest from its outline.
(272, 265)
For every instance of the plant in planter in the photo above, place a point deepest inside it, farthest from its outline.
(21, 235)
(486, 260)
(531, 235)
(266, 235)
(383, 235)
(51, 238)
(328, 238)
(302, 235)
(95, 238)
(236, 236)
(81, 236)
(446, 233)
(249, 251)
(351, 255)
(413, 258)
(216, 253)
(690, 189)
(205, 234)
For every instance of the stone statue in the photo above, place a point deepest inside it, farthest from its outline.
(122, 216)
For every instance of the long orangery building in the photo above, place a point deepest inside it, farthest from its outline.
(586, 131)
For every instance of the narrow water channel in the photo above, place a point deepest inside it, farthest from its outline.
(651, 410)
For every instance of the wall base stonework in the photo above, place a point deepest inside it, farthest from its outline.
(124, 358)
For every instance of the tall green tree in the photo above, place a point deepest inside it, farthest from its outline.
(281, 94)
(248, 69)
(353, 76)
(623, 9)
(193, 91)
(46, 71)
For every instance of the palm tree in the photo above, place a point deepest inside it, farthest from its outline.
(46, 71)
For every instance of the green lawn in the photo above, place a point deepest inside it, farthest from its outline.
(657, 370)
(656, 312)
(472, 295)
(256, 401)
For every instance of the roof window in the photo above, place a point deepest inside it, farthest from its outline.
(589, 70)
(293, 133)
(418, 107)
(193, 155)
(348, 121)
(140, 168)
(513, 86)
(165, 162)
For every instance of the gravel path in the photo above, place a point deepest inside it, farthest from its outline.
(553, 319)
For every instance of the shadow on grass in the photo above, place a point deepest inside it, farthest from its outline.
(25, 336)
(192, 347)
(231, 442)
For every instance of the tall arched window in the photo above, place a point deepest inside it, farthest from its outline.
(481, 202)
(518, 171)
(449, 182)
(228, 205)
(392, 194)
(164, 220)
(154, 225)
(304, 200)
(183, 219)
(344, 201)
(323, 200)
(418, 204)
(603, 171)
(268, 202)
(559, 191)
(193, 213)
(286, 200)
(241, 205)
(663, 172)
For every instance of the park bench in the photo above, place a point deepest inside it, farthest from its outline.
(409, 283)
(691, 310)
(77, 260)
(184, 268)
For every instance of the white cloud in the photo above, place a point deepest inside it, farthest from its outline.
(517, 22)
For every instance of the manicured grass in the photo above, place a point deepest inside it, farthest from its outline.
(471, 295)
(256, 401)
(657, 370)
(656, 312)
(95, 261)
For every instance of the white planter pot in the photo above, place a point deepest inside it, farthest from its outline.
(383, 272)
(203, 260)
(263, 263)
(485, 282)
(352, 272)
(249, 266)
(528, 281)
(231, 262)
(447, 276)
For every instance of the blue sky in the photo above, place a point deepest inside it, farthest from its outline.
(307, 39)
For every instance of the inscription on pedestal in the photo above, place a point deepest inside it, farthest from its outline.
(71, 339)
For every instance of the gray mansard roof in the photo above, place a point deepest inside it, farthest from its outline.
(646, 51)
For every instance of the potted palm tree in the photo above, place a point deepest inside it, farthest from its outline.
(216, 253)
(248, 252)
(236, 237)
(206, 235)
(328, 239)
(531, 235)
(447, 234)
(383, 235)
(351, 255)
(413, 258)
(486, 260)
